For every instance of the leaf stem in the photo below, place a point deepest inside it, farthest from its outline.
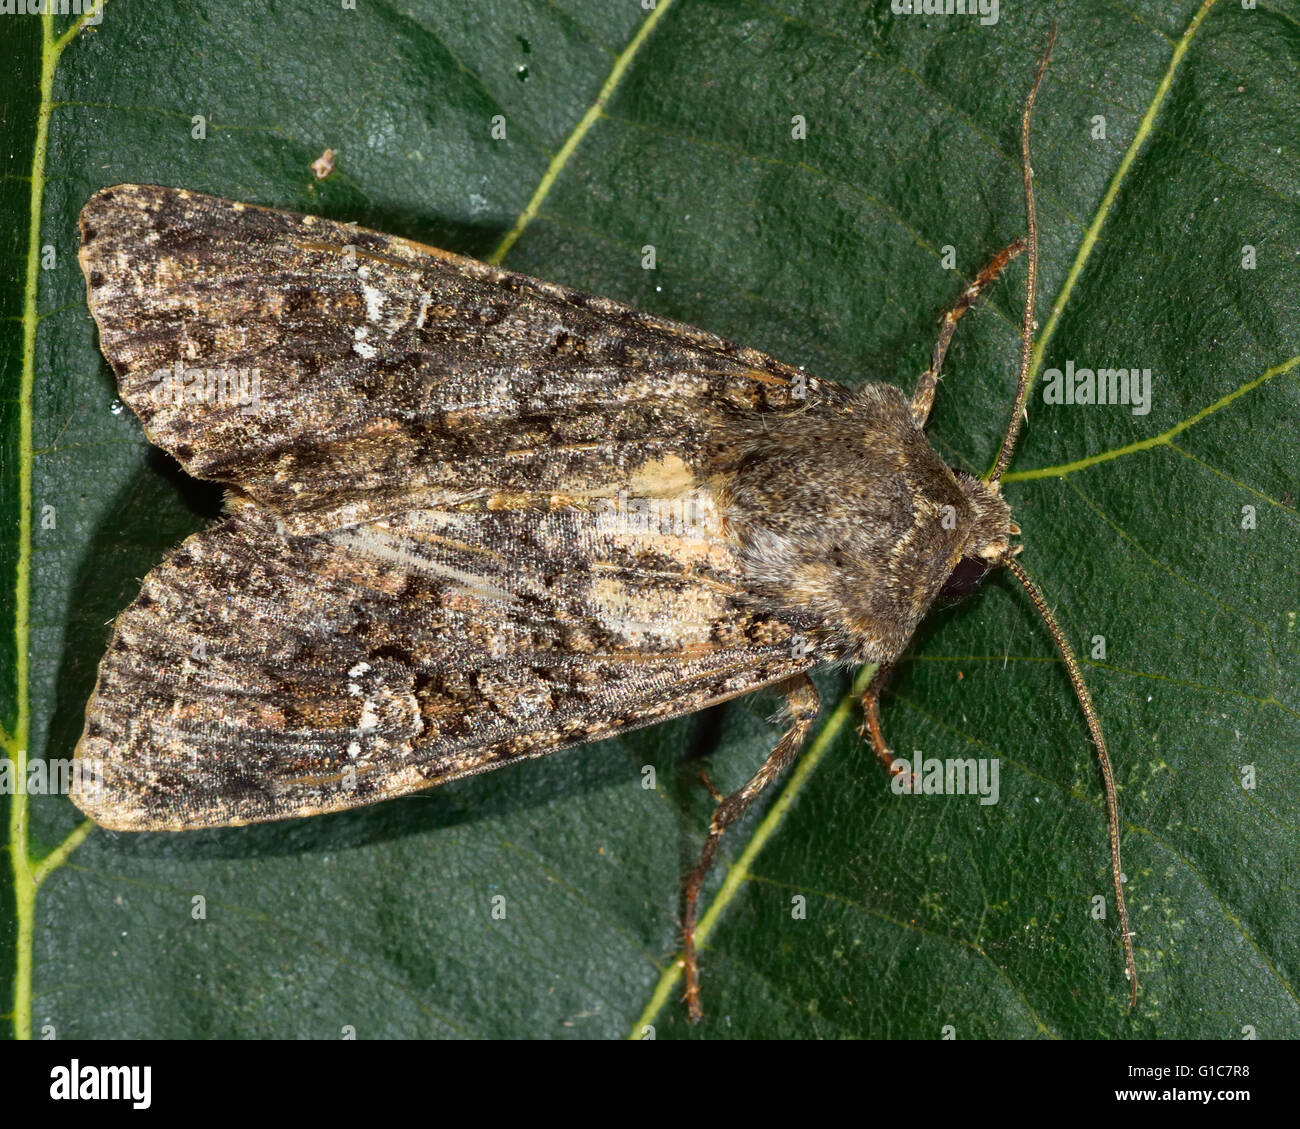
(574, 139)
(26, 876)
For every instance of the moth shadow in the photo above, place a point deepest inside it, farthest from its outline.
(475, 240)
(492, 797)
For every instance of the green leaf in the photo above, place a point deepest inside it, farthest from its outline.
(921, 911)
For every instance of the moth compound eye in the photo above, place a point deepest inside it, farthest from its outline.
(964, 579)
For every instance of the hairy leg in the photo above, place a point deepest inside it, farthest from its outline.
(802, 705)
(923, 397)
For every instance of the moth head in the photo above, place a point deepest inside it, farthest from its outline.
(989, 539)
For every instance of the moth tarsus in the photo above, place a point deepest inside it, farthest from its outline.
(928, 384)
(475, 517)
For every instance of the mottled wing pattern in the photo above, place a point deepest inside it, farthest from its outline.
(474, 517)
(390, 374)
(260, 675)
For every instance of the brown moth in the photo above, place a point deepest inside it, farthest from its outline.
(475, 518)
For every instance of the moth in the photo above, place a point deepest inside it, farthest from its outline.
(473, 518)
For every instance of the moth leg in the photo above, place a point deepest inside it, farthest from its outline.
(871, 720)
(923, 397)
(802, 704)
(718, 797)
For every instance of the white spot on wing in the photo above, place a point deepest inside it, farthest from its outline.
(374, 303)
(360, 346)
(369, 718)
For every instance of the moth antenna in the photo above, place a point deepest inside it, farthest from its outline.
(1031, 284)
(1107, 775)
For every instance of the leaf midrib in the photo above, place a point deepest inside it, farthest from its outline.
(29, 873)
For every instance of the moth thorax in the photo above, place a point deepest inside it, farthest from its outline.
(846, 517)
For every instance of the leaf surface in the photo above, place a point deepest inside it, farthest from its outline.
(1172, 534)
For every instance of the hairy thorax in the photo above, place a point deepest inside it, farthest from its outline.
(850, 522)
